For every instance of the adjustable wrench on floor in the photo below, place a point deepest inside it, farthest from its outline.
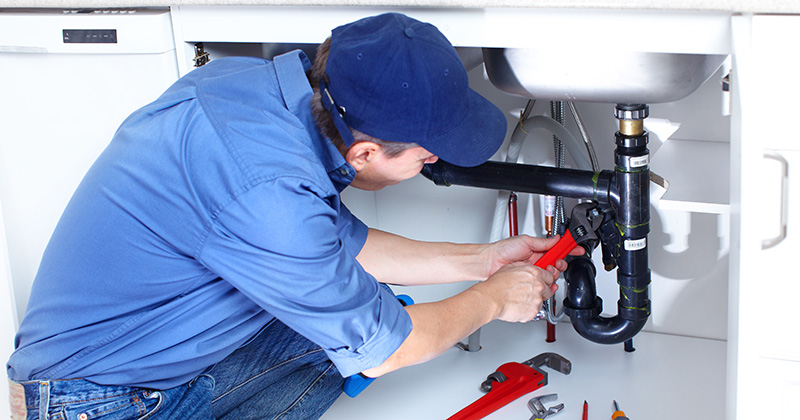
(536, 404)
(511, 381)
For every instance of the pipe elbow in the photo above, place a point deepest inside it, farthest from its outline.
(584, 307)
(603, 330)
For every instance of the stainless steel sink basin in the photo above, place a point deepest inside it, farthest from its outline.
(600, 75)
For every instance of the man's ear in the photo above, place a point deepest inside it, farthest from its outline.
(360, 154)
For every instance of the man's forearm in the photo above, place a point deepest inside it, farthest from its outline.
(394, 259)
(513, 292)
(439, 326)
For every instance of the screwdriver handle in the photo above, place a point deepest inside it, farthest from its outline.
(619, 415)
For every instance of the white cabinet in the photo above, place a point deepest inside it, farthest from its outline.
(764, 343)
(61, 103)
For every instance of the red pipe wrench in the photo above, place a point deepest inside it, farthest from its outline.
(511, 381)
(584, 222)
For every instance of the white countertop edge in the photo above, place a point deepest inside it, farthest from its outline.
(734, 6)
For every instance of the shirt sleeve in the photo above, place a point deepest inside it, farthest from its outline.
(292, 251)
(352, 230)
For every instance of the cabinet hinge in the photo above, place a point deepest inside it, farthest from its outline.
(201, 57)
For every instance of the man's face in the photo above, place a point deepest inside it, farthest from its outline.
(377, 170)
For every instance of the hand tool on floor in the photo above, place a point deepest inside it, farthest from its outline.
(618, 414)
(354, 384)
(511, 381)
(536, 404)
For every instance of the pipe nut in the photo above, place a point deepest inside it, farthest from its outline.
(630, 142)
(634, 112)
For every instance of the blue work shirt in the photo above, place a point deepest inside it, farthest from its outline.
(214, 209)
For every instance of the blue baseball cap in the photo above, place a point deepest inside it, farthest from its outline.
(398, 79)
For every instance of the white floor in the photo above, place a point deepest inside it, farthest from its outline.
(665, 376)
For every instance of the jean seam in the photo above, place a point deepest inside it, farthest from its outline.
(305, 392)
(86, 400)
(265, 372)
(116, 408)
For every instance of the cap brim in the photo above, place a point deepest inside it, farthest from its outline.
(476, 139)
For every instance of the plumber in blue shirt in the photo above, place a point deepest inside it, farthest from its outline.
(207, 268)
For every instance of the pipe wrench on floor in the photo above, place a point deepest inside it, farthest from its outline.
(511, 381)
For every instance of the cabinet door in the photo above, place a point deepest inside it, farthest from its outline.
(776, 350)
(763, 343)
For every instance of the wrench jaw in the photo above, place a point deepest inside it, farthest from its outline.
(584, 222)
(536, 405)
(554, 361)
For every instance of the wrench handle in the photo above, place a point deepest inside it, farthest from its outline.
(521, 379)
(561, 249)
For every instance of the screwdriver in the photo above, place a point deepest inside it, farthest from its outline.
(618, 415)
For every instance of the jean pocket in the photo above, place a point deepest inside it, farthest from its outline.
(158, 397)
(124, 407)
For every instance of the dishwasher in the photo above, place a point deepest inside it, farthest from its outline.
(68, 78)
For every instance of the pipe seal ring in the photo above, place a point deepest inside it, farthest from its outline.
(633, 113)
(578, 313)
(630, 142)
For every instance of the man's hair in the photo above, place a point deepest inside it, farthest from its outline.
(323, 118)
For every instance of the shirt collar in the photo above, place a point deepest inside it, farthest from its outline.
(291, 70)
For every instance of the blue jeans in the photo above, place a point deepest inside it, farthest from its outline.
(276, 375)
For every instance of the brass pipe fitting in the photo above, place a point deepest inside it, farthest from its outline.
(631, 118)
(631, 128)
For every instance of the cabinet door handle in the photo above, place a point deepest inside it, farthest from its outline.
(771, 242)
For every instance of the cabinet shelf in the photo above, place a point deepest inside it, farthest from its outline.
(698, 175)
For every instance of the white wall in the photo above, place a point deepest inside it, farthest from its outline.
(8, 316)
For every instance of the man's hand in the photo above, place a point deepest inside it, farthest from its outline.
(522, 248)
(518, 290)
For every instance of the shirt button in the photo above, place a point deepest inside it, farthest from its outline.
(82, 416)
(343, 172)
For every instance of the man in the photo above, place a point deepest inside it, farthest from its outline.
(206, 267)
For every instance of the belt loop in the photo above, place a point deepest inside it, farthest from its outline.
(44, 399)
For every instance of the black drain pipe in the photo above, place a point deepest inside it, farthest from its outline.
(626, 190)
(534, 179)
